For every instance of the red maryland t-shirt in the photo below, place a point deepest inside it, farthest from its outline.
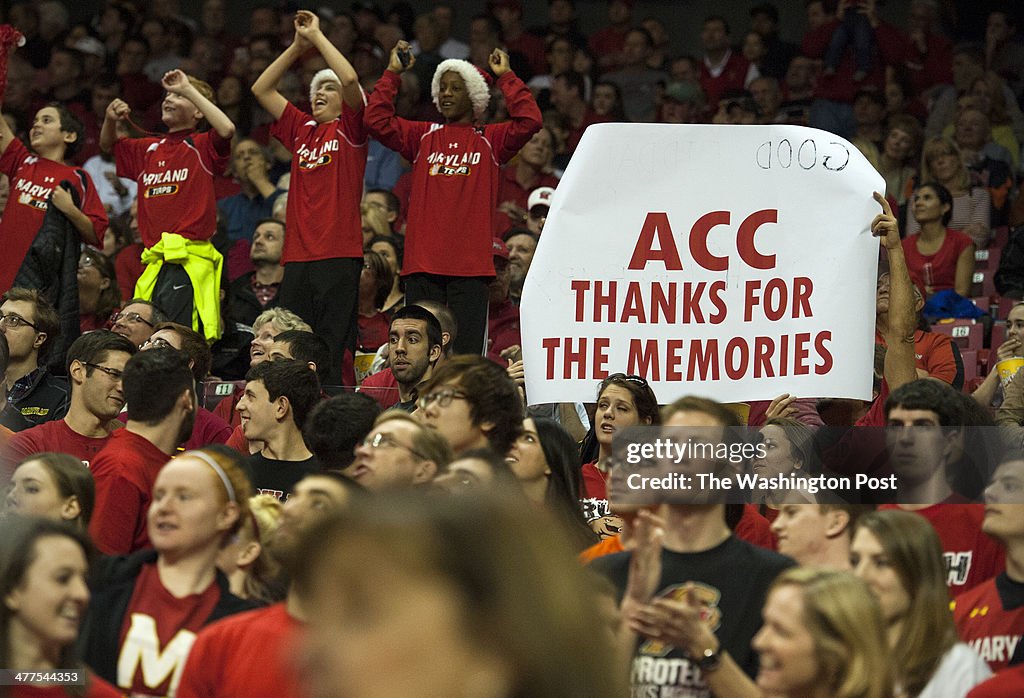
(455, 177)
(175, 176)
(971, 556)
(328, 164)
(124, 471)
(990, 618)
(55, 436)
(32, 181)
(157, 634)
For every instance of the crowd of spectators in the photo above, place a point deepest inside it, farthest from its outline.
(265, 429)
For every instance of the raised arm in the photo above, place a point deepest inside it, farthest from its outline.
(307, 25)
(117, 110)
(525, 118)
(387, 127)
(6, 135)
(899, 337)
(177, 82)
(265, 87)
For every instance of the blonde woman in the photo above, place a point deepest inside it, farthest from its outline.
(822, 637)
(942, 162)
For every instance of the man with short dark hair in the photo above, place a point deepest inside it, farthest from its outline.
(337, 425)
(721, 69)
(414, 348)
(277, 399)
(31, 326)
(383, 385)
(95, 364)
(309, 348)
(209, 428)
(925, 423)
(160, 393)
(252, 293)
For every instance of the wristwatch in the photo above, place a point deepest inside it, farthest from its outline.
(709, 660)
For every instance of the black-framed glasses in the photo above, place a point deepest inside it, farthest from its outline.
(443, 398)
(156, 343)
(13, 320)
(112, 372)
(382, 440)
(132, 319)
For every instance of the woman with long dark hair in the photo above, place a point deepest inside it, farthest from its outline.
(545, 461)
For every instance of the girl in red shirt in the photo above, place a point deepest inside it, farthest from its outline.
(938, 258)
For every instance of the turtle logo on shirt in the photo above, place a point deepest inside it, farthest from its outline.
(710, 614)
(324, 159)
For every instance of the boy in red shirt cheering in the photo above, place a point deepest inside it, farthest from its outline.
(323, 245)
(35, 175)
(455, 178)
(177, 205)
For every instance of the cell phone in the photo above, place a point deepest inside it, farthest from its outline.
(404, 56)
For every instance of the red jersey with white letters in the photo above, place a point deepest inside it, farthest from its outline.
(328, 165)
(175, 176)
(32, 180)
(990, 618)
(455, 177)
(158, 632)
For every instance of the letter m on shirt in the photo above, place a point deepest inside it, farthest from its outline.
(142, 648)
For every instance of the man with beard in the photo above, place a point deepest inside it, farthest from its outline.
(382, 386)
(522, 244)
(161, 397)
(414, 348)
(95, 363)
(225, 654)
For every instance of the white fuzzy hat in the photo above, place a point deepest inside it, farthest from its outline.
(320, 78)
(477, 82)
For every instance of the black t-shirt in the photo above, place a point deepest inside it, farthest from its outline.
(278, 477)
(732, 579)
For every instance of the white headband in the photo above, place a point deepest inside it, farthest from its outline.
(217, 469)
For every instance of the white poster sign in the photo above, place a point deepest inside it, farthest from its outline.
(732, 262)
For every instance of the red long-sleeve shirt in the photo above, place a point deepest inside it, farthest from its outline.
(455, 177)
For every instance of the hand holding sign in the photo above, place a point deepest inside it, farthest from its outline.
(687, 255)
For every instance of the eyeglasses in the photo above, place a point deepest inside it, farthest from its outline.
(381, 440)
(12, 321)
(442, 397)
(132, 318)
(112, 372)
(156, 343)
